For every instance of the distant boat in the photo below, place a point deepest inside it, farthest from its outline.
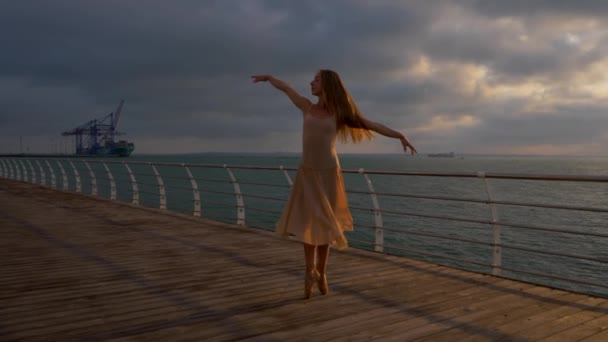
(119, 148)
(442, 155)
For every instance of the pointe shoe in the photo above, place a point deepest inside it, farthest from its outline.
(322, 283)
(309, 280)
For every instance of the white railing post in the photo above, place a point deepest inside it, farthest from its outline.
(4, 169)
(76, 177)
(135, 197)
(289, 181)
(93, 179)
(42, 173)
(17, 171)
(378, 224)
(497, 249)
(25, 178)
(195, 193)
(10, 169)
(112, 182)
(7, 172)
(5, 165)
(64, 176)
(240, 204)
(161, 188)
(53, 179)
(32, 171)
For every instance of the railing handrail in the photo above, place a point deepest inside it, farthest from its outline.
(485, 201)
(546, 177)
(377, 210)
(495, 175)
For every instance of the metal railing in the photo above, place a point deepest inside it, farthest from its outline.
(179, 186)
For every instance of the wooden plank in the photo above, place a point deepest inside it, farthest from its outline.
(366, 322)
(550, 315)
(437, 318)
(587, 329)
(561, 325)
(599, 337)
(485, 323)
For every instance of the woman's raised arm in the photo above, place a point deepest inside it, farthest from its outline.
(297, 99)
(388, 132)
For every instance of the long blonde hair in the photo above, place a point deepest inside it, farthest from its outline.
(349, 120)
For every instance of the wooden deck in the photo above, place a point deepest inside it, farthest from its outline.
(73, 267)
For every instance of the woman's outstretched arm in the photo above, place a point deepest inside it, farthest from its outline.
(388, 132)
(297, 99)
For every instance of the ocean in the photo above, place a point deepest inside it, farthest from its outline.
(408, 230)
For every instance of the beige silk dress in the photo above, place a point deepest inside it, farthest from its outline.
(317, 210)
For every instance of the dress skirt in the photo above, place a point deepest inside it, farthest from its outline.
(317, 212)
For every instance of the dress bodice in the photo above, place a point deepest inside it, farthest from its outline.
(319, 141)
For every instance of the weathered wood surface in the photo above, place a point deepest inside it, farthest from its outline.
(76, 267)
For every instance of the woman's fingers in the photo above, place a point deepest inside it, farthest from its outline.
(407, 145)
(413, 149)
(259, 78)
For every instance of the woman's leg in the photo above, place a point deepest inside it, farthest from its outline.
(322, 256)
(309, 256)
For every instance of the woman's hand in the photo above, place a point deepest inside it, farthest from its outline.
(406, 144)
(261, 78)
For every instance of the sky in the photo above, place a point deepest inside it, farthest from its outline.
(469, 76)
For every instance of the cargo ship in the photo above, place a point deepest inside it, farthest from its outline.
(442, 155)
(96, 137)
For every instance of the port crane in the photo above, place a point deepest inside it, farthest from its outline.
(96, 137)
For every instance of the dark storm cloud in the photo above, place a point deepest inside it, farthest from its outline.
(509, 56)
(97, 44)
(183, 67)
(499, 8)
(488, 48)
(174, 60)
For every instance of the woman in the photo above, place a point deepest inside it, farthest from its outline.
(317, 212)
